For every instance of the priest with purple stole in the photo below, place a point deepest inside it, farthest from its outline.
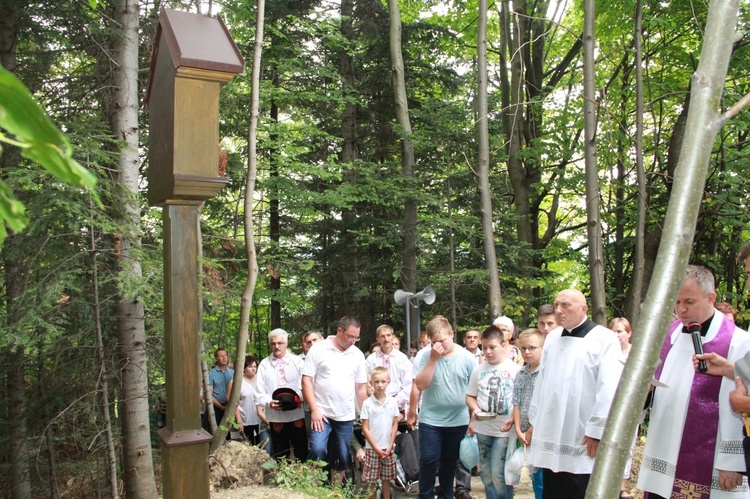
(694, 444)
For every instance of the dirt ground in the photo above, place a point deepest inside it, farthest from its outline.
(237, 473)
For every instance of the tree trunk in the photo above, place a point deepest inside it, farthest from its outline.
(483, 170)
(55, 488)
(518, 128)
(103, 385)
(704, 122)
(349, 157)
(409, 228)
(593, 227)
(640, 225)
(452, 253)
(18, 444)
(246, 303)
(208, 406)
(138, 470)
(19, 447)
(18, 433)
(274, 220)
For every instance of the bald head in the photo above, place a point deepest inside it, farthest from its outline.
(570, 308)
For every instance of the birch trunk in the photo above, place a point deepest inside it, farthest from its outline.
(598, 301)
(252, 259)
(483, 170)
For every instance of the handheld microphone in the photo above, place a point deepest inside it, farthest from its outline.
(695, 333)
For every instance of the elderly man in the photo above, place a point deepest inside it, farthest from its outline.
(333, 374)
(694, 446)
(577, 379)
(282, 369)
(395, 362)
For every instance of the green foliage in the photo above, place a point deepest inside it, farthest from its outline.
(297, 475)
(39, 140)
(337, 248)
(309, 477)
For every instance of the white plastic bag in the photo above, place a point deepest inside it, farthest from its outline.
(516, 469)
(513, 467)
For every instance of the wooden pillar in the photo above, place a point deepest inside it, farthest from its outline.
(184, 443)
(193, 57)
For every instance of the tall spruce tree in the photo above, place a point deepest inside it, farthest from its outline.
(129, 311)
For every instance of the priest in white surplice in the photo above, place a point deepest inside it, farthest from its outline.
(694, 444)
(577, 379)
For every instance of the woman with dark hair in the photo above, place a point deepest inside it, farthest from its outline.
(246, 414)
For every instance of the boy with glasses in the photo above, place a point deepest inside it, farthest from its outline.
(531, 342)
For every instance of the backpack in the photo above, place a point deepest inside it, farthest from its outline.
(407, 452)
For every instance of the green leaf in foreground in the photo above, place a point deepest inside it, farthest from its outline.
(40, 141)
(39, 138)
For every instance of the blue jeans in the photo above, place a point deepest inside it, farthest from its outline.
(264, 435)
(438, 447)
(492, 465)
(537, 481)
(342, 436)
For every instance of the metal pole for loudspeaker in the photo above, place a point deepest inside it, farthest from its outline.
(403, 298)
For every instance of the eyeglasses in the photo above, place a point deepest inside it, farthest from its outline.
(528, 349)
(353, 339)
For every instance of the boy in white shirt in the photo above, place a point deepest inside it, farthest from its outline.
(380, 417)
(490, 392)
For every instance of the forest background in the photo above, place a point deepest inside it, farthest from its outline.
(83, 285)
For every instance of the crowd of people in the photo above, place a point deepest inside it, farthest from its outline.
(548, 387)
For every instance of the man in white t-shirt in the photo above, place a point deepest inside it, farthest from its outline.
(282, 369)
(396, 363)
(334, 372)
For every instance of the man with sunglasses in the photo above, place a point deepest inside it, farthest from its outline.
(333, 374)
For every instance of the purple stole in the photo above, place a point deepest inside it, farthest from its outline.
(692, 476)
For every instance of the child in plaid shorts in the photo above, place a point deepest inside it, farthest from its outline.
(380, 417)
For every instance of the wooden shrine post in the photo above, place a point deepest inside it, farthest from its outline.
(193, 57)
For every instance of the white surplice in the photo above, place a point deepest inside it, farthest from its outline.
(573, 393)
(668, 415)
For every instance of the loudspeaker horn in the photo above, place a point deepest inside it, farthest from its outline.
(427, 295)
(400, 297)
